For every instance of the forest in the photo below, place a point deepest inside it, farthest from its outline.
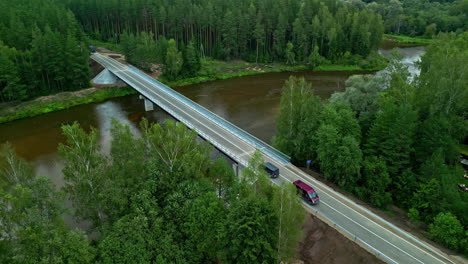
(42, 50)
(158, 198)
(421, 17)
(258, 30)
(391, 139)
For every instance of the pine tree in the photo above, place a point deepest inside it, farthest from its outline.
(174, 60)
(191, 60)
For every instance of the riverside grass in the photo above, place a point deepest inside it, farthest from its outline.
(406, 40)
(61, 101)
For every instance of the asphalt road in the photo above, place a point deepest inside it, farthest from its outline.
(388, 242)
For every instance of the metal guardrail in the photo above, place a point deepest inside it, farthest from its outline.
(242, 134)
(191, 126)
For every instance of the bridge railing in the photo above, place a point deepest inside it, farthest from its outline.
(259, 144)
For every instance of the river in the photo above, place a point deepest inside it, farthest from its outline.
(251, 102)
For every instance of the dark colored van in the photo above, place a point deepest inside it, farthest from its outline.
(308, 193)
(272, 170)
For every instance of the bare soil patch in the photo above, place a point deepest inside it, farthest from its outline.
(323, 244)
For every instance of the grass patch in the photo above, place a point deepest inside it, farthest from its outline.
(408, 40)
(61, 101)
(108, 45)
(338, 68)
(463, 149)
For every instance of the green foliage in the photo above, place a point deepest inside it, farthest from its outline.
(251, 232)
(362, 94)
(448, 231)
(418, 18)
(31, 212)
(176, 149)
(257, 31)
(413, 215)
(339, 156)
(174, 60)
(84, 172)
(442, 82)
(43, 48)
(291, 215)
(375, 181)
(191, 58)
(391, 137)
(289, 53)
(223, 178)
(132, 238)
(298, 120)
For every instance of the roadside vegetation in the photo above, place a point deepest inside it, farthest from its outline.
(390, 139)
(157, 198)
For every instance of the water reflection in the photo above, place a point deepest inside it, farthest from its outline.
(411, 56)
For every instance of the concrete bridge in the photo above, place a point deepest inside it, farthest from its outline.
(370, 231)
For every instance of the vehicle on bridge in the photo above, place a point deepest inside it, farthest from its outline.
(272, 170)
(92, 49)
(307, 192)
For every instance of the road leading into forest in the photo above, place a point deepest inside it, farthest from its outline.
(357, 223)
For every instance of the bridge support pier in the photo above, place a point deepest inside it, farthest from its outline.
(149, 106)
(235, 167)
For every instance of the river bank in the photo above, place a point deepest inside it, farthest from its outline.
(212, 70)
(407, 41)
(59, 101)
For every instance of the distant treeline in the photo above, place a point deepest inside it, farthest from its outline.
(421, 17)
(257, 30)
(41, 50)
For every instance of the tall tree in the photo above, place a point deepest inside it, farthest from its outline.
(84, 173)
(174, 60)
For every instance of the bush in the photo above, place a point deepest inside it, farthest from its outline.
(448, 231)
(413, 215)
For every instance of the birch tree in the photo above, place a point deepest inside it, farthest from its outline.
(84, 172)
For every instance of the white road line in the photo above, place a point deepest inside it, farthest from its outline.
(293, 172)
(372, 232)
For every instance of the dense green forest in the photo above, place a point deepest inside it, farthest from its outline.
(41, 50)
(390, 139)
(421, 17)
(256, 30)
(158, 198)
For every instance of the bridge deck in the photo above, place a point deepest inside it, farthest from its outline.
(367, 229)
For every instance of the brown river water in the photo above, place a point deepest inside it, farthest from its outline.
(250, 102)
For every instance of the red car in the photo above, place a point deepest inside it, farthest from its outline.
(307, 192)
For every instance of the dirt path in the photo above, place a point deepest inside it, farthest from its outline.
(323, 244)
